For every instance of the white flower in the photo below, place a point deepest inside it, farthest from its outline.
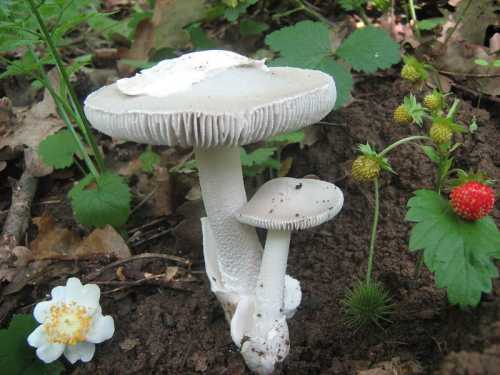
(71, 323)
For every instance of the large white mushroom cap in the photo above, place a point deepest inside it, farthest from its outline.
(291, 204)
(235, 104)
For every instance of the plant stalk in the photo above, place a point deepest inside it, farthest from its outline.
(83, 124)
(457, 23)
(413, 13)
(402, 141)
(373, 236)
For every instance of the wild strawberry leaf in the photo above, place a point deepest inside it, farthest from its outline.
(369, 49)
(58, 150)
(307, 44)
(16, 356)
(101, 201)
(458, 252)
(149, 159)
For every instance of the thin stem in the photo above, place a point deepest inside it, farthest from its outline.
(458, 22)
(277, 16)
(418, 267)
(64, 109)
(413, 14)
(402, 141)
(306, 7)
(373, 236)
(85, 127)
(453, 109)
(364, 17)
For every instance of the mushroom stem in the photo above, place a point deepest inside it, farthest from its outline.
(238, 248)
(270, 289)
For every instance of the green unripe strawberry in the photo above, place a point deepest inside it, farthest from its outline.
(433, 101)
(410, 73)
(365, 169)
(440, 133)
(401, 115)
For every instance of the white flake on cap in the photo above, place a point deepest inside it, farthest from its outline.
(291, 204)
(181, 73)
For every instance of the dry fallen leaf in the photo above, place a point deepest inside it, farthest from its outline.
(54, 242)
(35, 165)
(162, 197)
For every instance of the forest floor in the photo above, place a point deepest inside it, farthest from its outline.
(179, 328)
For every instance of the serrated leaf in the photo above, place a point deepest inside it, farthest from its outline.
(342, 77)
(101, 201)
(430, 23)
(16, 356)
(458, 252)
(307, 45)
(251, 27)
(149, 159)
(58, 150)
(304, 44)
(349, 5)
(369, 49)
(256, 157)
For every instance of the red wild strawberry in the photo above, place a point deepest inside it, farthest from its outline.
(472, 200)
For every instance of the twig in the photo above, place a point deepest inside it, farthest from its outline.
(477, 75)
(457, 23)
(20, 210)
(141, 227)
(153, 237)
(143, 256)
(129, 284)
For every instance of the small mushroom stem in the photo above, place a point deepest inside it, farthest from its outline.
(238, 248)
(270, 289)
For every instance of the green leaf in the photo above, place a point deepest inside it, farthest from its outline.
(251, 27)
(199, 38)
(481, 62)
(149, 159)
(369, 49)
(342, 77)
(101, 201)
(350, 5)
(304, 44)
(431, 153)
(496, 63)
(232, 14)
(307, 45)
(257, 157)
(58, 150)
(288, 138)
(16, 356)
(430, 23)
(458, 252)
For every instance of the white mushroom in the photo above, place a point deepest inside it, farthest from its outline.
(235, 104)
(280, 206)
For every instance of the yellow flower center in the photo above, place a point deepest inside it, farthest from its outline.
(68, 324)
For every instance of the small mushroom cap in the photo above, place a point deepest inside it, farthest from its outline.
(237, 106)
(291, 204)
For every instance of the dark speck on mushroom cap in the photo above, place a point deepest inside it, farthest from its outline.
(280, 205)
(238, 106)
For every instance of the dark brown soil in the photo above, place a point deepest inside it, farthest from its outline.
(165, 331)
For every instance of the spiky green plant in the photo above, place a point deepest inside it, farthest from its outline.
(367, 303)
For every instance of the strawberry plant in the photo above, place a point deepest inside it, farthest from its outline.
(455, 237)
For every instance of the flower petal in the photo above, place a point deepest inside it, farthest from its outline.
(58, 294)
(103, 328)
(38, 338)
(42, 311)
(89, 296)
(83, 351)
(50, 352)
(73, 289)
